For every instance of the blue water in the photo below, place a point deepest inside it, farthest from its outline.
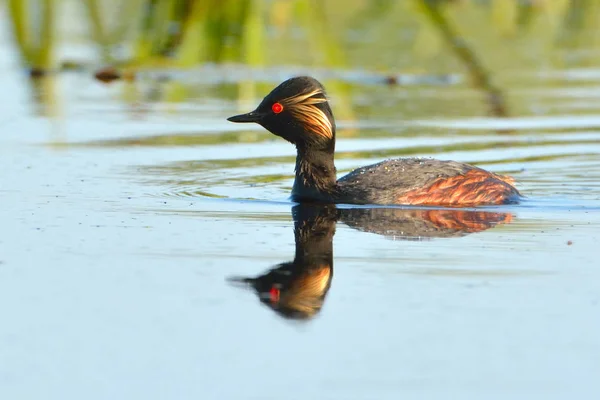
(123, 220)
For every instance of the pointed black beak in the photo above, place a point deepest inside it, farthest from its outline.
(252, 116)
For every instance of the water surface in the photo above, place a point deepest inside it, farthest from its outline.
(125, 215)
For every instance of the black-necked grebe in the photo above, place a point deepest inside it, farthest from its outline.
(298, 111)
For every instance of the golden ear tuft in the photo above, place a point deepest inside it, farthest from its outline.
(307, 293)
(302, 107)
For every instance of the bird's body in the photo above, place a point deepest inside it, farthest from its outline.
(298, 111)
(422, 182)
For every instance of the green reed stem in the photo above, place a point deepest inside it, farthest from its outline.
(18, 12)
(47, 32)
(253, 39)
(37, 54)
(479, 75)
(191, 44)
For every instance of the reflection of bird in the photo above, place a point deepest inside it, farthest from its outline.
(298, 111)
(401, 223)
(297, 289)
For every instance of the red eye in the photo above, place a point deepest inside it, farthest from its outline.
(277, 108)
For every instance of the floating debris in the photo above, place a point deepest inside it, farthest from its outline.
(110, 74)
(72, 65)
(38, 72)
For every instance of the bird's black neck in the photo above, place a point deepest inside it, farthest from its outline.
(315, 175)
(314, 227)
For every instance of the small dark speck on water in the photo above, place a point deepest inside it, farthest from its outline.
(570, 242)
(38, 72)
(391, 80)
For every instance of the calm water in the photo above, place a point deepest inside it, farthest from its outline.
(125, 214)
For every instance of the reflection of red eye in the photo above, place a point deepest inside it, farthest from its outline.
(277, 108)
(274, 292)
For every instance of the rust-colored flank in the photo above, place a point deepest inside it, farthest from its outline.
(464, 221)
(473, 188)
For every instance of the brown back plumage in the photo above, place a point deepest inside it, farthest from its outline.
(425, 182)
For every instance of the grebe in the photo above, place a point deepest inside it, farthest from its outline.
(298, 111)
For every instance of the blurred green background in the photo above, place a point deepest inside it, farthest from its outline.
(373, 34)
(486, 42)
